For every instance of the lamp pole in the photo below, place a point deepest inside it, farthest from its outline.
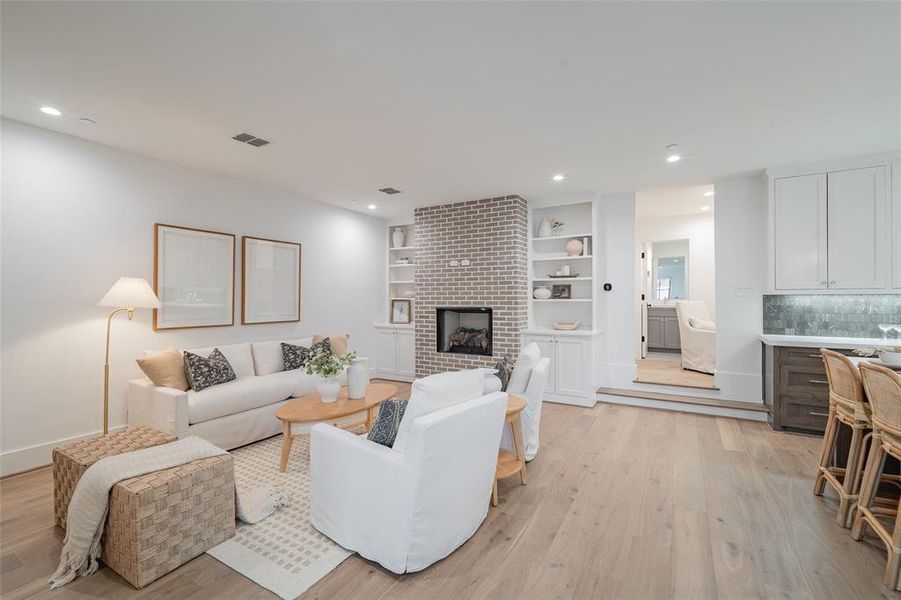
(109, 321)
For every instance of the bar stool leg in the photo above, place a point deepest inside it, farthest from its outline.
(847, 501)
(872, 475)
(893, 567)
(826, 451)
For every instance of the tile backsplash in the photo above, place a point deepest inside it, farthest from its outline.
(846, 315)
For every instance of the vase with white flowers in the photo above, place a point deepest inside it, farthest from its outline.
(327, 367)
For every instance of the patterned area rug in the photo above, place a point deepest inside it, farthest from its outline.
(283, 553)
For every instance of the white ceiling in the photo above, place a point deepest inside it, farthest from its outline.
(455, 101)
(670, 201)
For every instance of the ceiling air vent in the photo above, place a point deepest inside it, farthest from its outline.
(389, 191)
(248, 138)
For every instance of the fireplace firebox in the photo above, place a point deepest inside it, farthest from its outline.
(464, 330)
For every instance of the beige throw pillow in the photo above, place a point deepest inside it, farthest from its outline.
(337, 342)
(166, 368)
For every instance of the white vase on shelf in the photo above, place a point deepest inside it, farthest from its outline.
(544, 228)
(398, 237)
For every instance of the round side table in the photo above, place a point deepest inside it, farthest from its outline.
(511, 463)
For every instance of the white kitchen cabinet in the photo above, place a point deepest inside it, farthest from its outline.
(830, 231)
(800, 230)
(857, 240)
(570, 378)
(395, 352)
(896, 225)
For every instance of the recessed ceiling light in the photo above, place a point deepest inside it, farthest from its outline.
(49, 110)
(372, 207)
(558, 177)
(705, 208)
(672, 153)
(708, 194)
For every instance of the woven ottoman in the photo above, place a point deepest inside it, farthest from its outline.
(70, 462)
(159, 521)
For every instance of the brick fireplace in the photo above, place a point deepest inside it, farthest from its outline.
(491, 235)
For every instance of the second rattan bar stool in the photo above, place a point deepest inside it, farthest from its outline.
(883, 388)
(848, 406)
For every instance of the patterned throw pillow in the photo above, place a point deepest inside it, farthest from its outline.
(204, 372)
(384, 430)
(326, 343)
(294, 357)
(504, 368)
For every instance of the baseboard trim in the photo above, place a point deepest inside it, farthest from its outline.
(700, 409)
(29, 458)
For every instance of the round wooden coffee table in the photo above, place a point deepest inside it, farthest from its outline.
(301, 414)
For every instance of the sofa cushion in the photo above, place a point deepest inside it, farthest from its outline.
(238, 356)
(244, 393)
(203, 372)
(337, 342)
(267, 356)
(166, 368)
(301, 383)
(436, 392)
(294, 356)
(519, 379)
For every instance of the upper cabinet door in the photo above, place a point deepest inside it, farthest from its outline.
(896, 225)
(857, 229)
(799, 221)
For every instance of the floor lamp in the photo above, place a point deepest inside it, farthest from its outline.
(126, 294)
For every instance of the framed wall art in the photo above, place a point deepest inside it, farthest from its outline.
(401, 311)
(270, 281)
(194, 277)
(561, 291)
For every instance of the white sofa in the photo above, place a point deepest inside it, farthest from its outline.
(230, 414)
(409, 506)
(698, 340)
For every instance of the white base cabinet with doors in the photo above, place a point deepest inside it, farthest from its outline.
(571, 377)
(395, 352)
(831, 228)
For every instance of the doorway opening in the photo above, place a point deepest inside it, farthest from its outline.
(677, 291)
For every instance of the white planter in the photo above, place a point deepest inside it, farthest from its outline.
(544, 228)
(398, 237)
(357, 378)
(328, 388)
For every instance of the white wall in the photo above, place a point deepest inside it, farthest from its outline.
(741, 234)
(698, 229)
(78, 215)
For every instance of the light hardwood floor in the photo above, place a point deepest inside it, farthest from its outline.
(669, 371)
(622, 502)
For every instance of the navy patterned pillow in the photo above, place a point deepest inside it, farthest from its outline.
(205, 372)
(384, 430)
(504, 368)
(326, 343)
(294, 357)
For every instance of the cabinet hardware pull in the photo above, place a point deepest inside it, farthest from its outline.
(814, 356)
(819, 381)
(818, 414)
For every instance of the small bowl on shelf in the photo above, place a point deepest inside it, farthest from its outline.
(892, 359)
(566, 325)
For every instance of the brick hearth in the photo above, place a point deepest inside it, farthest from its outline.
(492, 235)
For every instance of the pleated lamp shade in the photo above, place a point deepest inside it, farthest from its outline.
(130, 292)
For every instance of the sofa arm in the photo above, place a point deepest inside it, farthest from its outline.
(162, 408)
(361, 495)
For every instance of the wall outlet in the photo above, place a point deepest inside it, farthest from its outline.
(454, 263)
(465, 262)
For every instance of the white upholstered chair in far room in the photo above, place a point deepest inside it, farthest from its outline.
(409, 506)
(697, 333)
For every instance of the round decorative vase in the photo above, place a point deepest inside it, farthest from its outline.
(328, 388)
(398, 237)
(574, 247)
(357, 378)
(544, 228)
(541, 293)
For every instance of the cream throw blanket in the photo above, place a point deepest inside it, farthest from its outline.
(90, 502)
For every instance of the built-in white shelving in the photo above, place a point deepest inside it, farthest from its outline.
(401, 276)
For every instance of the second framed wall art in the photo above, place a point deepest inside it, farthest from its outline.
(270, 281)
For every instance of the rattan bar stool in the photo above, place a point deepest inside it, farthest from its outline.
(883, 388)
(848, 406)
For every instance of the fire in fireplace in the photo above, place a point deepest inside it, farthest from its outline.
(464, 330)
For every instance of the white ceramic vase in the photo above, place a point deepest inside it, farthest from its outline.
(574, 247)
(357, 378)
(398, 237)
(544, 228)
(328, 388)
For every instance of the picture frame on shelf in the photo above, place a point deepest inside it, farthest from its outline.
(193, 277)
(271, 281)
(561, 291)
(401, 311)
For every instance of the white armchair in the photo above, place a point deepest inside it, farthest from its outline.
(531, 414)
(407, 510)
(698, 336)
